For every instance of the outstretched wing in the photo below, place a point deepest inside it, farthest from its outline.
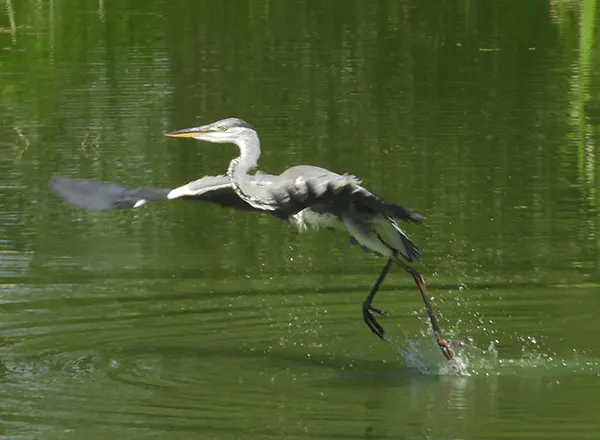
(306, 186)
(100, 196)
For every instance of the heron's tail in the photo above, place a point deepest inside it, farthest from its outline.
(411, 252)
(401, 213)
(351, 185)
(394, 237)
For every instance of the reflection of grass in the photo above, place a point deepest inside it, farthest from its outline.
(586, 42)
(22, 148)
(101, 10)
(90, 149)
(584, 126)
(581, 87)
(10, 11)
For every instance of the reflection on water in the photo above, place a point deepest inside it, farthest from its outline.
(186, 320)
(164, 354)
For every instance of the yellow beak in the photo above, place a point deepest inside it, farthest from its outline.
(187, 132)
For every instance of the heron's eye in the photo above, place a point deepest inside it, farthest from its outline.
(222, 127)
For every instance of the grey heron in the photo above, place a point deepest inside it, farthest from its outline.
(308, 196)
(313, 196)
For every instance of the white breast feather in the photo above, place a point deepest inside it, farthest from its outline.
(307, 217)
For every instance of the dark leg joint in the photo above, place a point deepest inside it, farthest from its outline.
(368, 309)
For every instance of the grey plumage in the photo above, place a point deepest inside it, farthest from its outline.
(306, 195)
(310, 195)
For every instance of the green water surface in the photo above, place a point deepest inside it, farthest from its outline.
(185, 320)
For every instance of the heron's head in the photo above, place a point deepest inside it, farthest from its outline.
(230, 130)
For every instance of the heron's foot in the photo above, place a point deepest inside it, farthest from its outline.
(374, 326)
(445, 347)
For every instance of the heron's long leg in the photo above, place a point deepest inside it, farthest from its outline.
(420, 281)
(368, 309)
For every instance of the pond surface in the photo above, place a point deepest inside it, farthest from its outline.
(185, 320)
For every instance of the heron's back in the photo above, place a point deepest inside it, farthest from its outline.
(370, 220)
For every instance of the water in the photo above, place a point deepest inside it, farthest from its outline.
(187, 320)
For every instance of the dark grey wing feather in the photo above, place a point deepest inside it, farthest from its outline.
(224, 196)
(100, 196)
(304, 186)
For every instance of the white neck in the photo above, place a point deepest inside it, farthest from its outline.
(240, 168)
(249, 146)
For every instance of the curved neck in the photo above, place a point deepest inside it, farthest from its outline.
(240, 168)
(247, 161)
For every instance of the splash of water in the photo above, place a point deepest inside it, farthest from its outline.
(423, 354)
